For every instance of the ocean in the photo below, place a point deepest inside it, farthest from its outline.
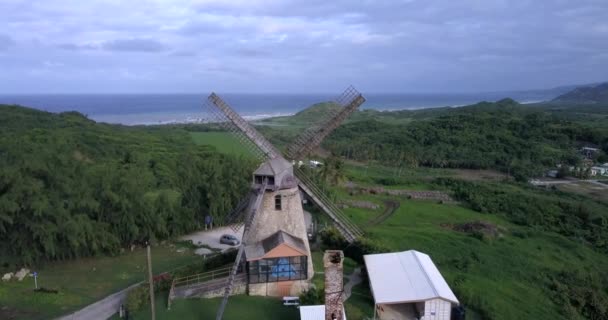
(147, 109)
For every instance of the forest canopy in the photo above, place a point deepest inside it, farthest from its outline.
(520, 140)
(70, 187)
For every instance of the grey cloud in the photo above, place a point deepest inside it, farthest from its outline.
(385, 45)
(134, 45)
(183, 53)
(247, 52)
(6, 42)
(75, 47)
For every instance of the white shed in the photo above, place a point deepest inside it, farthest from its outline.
(408, 285)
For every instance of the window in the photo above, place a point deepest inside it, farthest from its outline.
(277, 202)
(278, 269)
(259, 179)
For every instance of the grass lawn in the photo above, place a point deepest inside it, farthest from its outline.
(239, 308)
(224, 142)
(501, 277)
(360, 305)
(83, 281)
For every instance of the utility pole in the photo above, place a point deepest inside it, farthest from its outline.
(151, 280)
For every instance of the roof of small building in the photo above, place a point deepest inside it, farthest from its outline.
(260, 249)
(408, 276)
(272, 167)
(315, 312)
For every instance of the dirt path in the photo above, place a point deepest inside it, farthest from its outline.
(390, 207)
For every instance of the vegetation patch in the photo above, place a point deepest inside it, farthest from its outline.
(479, 229)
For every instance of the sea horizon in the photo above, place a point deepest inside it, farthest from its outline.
(162, 108)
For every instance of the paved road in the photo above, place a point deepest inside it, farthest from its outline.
(353, 280)
(102, 309)
(597, 183)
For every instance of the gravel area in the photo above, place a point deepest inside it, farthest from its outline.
(211, 238)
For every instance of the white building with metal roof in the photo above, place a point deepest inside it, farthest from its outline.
(408, 285)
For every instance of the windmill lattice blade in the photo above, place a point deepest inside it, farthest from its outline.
(351, 99)
(218, 118)
(235, 218)
(251, 133)
(348, 229)
(239, 255)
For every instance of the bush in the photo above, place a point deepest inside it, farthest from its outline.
(213, 262)
(312, 296)
(331, 238)
(162, 282)
(138, 297)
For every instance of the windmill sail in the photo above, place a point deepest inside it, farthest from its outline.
(265, 146)
(349, 230)
(239, 256)
(350, 100)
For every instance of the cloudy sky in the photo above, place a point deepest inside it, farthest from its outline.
(62, 46)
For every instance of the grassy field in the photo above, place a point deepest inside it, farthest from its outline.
(238, 308)
(83, 281)
(500, 275)
(224, 142)
(586, 188)
(360, 305)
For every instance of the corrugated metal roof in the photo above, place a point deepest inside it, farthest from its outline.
(315, 313)
(408, 276)
(258, 250)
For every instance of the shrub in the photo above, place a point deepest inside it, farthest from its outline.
(332, 238)
(312, 296)
(138, 297)
(210, 263)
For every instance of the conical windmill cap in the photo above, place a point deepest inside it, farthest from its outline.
(273, 167)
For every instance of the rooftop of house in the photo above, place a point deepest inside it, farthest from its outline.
(263, 248)
(273, 167)
(404, 277)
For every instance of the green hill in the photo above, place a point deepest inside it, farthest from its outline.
(70, 187)
(588, 95)
(516, 139)
(316, 112)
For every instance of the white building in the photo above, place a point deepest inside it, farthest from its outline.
(599, 171)
(408, 285)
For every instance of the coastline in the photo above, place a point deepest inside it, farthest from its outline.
(162, 118)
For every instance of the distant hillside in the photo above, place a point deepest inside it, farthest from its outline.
(590, 94)
(504, 135)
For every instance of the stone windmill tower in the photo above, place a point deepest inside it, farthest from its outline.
(275, 250)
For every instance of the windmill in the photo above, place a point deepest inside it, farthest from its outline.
(275, 246)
